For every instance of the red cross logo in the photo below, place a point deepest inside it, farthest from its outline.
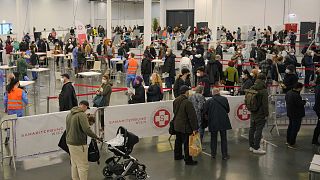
(161, 118)
(242, 113)
(80, 27)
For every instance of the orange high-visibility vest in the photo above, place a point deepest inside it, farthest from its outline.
(132, 66)
(15, 99)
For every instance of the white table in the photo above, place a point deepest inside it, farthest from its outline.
(56, 56)
(26, 83)
(7, 68)
(41, 53)
(40, 70)
(158, 63)
(89, 75)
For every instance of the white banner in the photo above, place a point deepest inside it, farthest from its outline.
(39, 134)
(239, 114)
(80, 27)
(144, 120)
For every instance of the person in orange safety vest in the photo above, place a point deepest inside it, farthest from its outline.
(131, 67)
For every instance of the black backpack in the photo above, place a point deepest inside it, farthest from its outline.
(93, 152)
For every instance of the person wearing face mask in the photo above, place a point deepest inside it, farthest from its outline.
(132, 67)
(100, 48)
(197, 61)
(182, 80)
(308, 63)
(67, 96)
(231, 74)
(203, 80)
(169, 68)
(290, 78)
(146, 69)
(57, 50)
(247, 82)
(295, 112)
(139, 95)
(68, 50)
(238, 59)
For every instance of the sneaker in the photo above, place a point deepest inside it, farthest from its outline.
(226, 157)
(251, 149)
(191, 163)
(259, 151)
(287, 143)
(292, 146)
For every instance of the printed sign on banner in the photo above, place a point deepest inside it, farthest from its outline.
(39, 134)
(281, 109)
(144, 120)
(239, 114)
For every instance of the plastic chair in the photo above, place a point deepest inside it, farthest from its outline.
(96, 66)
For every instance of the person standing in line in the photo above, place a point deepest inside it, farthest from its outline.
(146, 69)
(77, 132)
(183, 79)
(75, 63)
(308, 63)
(105, 90)
(217, 109)
(67, 96)
(100, 48)
(203, 80)
(185, 123)
(231, 74)
(290, 78)
(198, 101)
(34, 61)
(169, 68)
(139, 95)
(259, 117)
(132, 67)
(295, 113)
(316, 108)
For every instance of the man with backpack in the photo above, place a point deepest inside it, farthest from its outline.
(256, 100)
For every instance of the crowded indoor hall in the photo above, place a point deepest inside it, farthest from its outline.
(160, 89)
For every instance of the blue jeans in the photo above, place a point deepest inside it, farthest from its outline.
(130, 79)
(169, 81)
(34, 75)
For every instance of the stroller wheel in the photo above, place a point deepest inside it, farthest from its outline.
(106, 172)
(141, 174)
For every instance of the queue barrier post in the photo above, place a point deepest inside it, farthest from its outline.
(10, 120)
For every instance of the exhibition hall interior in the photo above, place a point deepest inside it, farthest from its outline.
(159, 89)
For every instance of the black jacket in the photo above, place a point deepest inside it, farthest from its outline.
(139, 96)
(146, 66)
(214, 71)
(170, 65)
(67, 97)
(34, 59)
(247, 83)
(153, 52)
(262, 98)
(219, 51)
(197, 62)
(316, 106)
(289, 81)
(217, 109)
(204, 81)
(185, 117)
(154, 93)
(177, 84)
(81, 57)
(99, 49)
(295, 105)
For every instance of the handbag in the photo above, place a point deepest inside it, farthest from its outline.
(98, 101)
(93, 152)
(63, 142)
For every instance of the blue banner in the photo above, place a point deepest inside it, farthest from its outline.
(281, 110)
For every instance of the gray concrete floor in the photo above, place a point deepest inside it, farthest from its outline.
(156, 153)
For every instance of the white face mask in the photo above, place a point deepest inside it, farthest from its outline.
(251, 74)
(62, 80)
(292, 53)
(198, 74)
(104, 81)
(167, 53)
(243, 76)
(312, 54)
(198, 55)
(287, 71)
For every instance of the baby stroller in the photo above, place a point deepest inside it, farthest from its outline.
(122, 164)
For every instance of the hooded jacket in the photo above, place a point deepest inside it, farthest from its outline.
(169, 65)
(214, 71)
(67, 97)
(262, 96)
(78, 128)
(295, 105)
(197, 62)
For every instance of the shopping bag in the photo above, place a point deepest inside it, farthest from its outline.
(93, 152)
(98, 101)
(195, 147)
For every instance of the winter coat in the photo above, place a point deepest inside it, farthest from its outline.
(247, 84)
(219, 51)
(217, 109)
(139, 96)
(106, 92)
(78, 128)
(198, 101)
(67, 97)
(177, 84)
(289, 81)
(169, 65)
(81, 57)
(231, 74)
(262, 101)
(197, 62)
(204, 81)
(154, 93)
(307, 61)
(295, 105)
(146, 66)
(34, 59)
(214, 71)
(22, 67)
(185, 117)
